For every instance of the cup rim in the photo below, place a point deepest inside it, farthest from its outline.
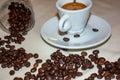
(88, 7)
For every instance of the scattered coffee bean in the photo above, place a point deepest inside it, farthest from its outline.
(101, 60)
(17, 78)
(38, 60)
(66, 39)
(77, 35)
(83, 53)
(99, 76)
(93, 75)
(79, 74)
(36, 55)
(96, 52)
(95, 29)
(33, 69)
(62, 33)
(118, 77)
(35, 65)
(12, 72)
(27, 74)
(27, 64)
(30, 55)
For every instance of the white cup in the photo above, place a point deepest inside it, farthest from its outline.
(73, 21)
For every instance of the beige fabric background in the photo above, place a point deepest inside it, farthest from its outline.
(45, 9)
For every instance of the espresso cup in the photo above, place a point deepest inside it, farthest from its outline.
(73, 21)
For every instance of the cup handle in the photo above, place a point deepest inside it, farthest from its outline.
(64, 24)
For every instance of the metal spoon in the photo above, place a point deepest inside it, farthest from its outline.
(74, 1)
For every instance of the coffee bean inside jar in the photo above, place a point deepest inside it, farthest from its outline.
(19, 17)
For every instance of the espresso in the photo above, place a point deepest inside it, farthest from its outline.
(74, 6)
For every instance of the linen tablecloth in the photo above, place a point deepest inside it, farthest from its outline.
(46, 9)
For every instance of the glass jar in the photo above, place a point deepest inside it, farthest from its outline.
(4, 14)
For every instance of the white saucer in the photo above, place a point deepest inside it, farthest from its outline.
(87, 39)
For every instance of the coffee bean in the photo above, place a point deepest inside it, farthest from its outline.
(95, 29)
(26, 78)
(27, 64)
(101, 60)
(66, 39)
(27, 74)
(33, 69)
(99, 76)
(48, 77)
(36, 55)
(79, 74)
(108, 66)
(30, 55)
(12, 72)
(118, 77)
(83, 53)
(17, 78)
(96, 52)
(38, 60)
(35, 65)
(77, 35)
(119, 60)
(94, 75)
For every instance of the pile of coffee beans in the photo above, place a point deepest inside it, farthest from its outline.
(106, 70)
(19, 21)
(61, 67)
(19, 17)
(16, 58)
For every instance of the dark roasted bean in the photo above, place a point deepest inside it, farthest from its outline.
(95, 29)
(77, 35)
(48, 77)
(66, 39)
(108, 66)
(12, 72)
(27, 74)
(36, 55)
(27, 64)
(94, 75)
(26, 78)
(99, 76)
(101, 60)
(38, 60)
(79, 74)
(96, 52)
(35, 65)
(33, 69)
(83, 53)
(118, 77)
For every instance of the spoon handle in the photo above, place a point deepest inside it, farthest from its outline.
(74, 1)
